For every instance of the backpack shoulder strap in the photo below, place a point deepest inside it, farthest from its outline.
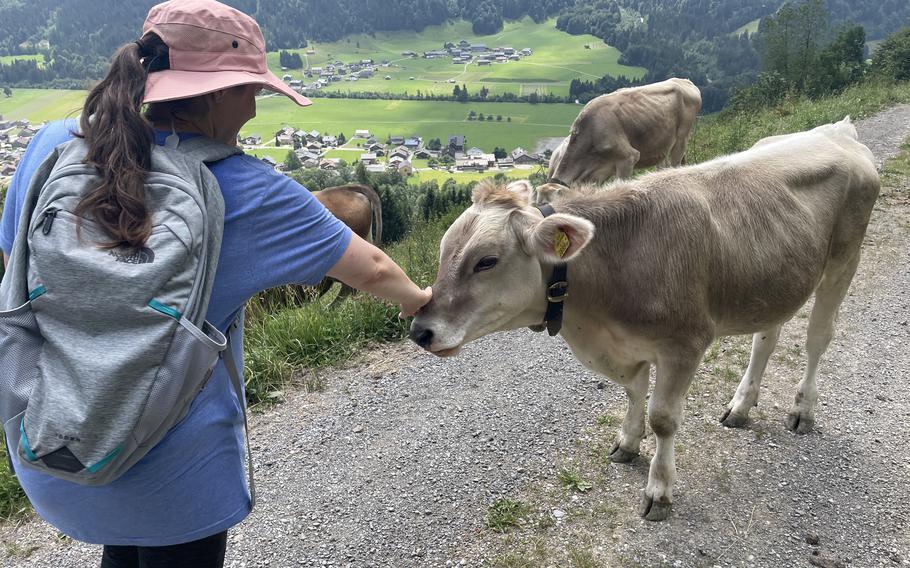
(206, 150)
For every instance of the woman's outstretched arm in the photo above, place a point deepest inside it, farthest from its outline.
(366, 268)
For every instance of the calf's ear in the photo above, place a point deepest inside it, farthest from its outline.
(560, 237)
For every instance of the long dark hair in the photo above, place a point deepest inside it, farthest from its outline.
(119, 139)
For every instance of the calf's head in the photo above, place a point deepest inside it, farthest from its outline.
(586, 156)
(493, 266)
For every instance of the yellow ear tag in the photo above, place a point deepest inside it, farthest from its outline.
(561, 243)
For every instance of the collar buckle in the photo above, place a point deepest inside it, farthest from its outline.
(557, 292)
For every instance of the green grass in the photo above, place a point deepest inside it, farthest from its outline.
(897, 169)
(506, 514)
(429, 119)
(572, 479)
(13, 503)
(557, 59)
(7, 59)
(749, 28)
(279, 154)
(726, 133)
(440, 176)
(39, 105)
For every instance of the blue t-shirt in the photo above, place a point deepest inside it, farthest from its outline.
(193, 484)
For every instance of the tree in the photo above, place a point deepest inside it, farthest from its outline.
(292, 162)
(472, 115)
(508, 119)
(461, 95)
(7, 92)
(435, 144)
(500, 153)
(480, 117)
(498, 118)
(456, 92)
(341, 139)
(892, 58)
(791, 40)
(841, 63)
(484, 91)
(489, 117)
(360, 172)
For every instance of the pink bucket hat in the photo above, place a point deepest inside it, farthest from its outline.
(212, 46)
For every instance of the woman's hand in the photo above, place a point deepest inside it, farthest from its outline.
(421, 299)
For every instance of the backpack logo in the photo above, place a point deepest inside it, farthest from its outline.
(142, 255)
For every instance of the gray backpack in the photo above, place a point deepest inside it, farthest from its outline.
(103, 350)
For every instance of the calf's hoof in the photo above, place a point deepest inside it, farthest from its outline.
(731, 420)
(619, 455)
(800, 424)
(654, 510)
(538, 327)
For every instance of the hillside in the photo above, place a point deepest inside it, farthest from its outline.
(557, 58)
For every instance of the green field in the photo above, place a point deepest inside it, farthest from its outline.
(428, 119)
(557, 59)
(749, 28)
(39, 105)
(7, 59)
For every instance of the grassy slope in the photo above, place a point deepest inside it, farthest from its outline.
(558, 58)
(39, 105)
(423, 118)
(7, 59)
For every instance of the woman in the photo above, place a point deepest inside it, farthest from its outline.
(198, 65)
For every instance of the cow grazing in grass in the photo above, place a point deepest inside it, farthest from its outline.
(630, 128)
(358, 207)
(660, 266)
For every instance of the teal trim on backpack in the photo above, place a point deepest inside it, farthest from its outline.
(23, 441)
(39, 291)
(166, 310)
(104, 461)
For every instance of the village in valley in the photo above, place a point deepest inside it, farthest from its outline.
(401, 153)
(396, 153)
(316, 78)
(14, 138)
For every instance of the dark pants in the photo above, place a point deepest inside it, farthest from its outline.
(204, 553)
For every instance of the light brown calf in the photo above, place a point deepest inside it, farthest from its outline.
(660, 266)
(630, 128)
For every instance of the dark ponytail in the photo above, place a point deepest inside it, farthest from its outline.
(119, 140)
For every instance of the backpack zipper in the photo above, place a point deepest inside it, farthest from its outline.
(48, 221)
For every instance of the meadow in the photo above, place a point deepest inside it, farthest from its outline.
(7, 59)
(557, 59)
(40, 105)
(428, 119)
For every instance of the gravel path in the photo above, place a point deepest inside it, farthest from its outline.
(397, 463)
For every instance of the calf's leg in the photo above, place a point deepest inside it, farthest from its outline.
(737, 413)
(665, 412)
(627, 444)
(828, 297)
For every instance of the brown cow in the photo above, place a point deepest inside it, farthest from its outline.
(630, 128)
(660, 266)
(358, 207)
